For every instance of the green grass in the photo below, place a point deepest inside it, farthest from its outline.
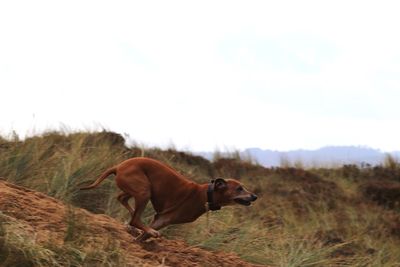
(317, 217)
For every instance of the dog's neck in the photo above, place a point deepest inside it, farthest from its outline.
(203, 196)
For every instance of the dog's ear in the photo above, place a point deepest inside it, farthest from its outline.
(220, 184)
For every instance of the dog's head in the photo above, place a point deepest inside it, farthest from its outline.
(231, 191)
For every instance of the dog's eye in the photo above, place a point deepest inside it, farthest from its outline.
(239, 189)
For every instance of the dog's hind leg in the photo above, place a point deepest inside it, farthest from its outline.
(136, 184)
(123, 198)
(140, 205)
(159, 221)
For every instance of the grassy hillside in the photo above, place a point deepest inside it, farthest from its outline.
(316, 217)
(38, 230)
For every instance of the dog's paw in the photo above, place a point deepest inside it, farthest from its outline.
(146, 235)
(154, 233)
(132, 230)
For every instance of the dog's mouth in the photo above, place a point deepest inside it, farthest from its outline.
(242, 201)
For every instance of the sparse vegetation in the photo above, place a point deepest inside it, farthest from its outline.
(343, 216)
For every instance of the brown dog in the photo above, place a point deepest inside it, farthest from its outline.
(175, 198)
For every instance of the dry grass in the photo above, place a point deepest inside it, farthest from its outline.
(19, 247)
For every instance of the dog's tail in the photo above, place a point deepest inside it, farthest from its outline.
(108, 172)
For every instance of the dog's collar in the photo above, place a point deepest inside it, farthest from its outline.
(210, 205)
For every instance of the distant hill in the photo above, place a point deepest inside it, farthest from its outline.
(325, 156)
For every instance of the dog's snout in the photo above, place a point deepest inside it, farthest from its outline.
(253, 197)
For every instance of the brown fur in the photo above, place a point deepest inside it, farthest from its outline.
(175, 198)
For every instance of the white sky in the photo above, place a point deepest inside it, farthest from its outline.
(205, 74)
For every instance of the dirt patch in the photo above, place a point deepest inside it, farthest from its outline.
(50, 221)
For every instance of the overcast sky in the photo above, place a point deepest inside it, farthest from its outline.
(205, 74)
